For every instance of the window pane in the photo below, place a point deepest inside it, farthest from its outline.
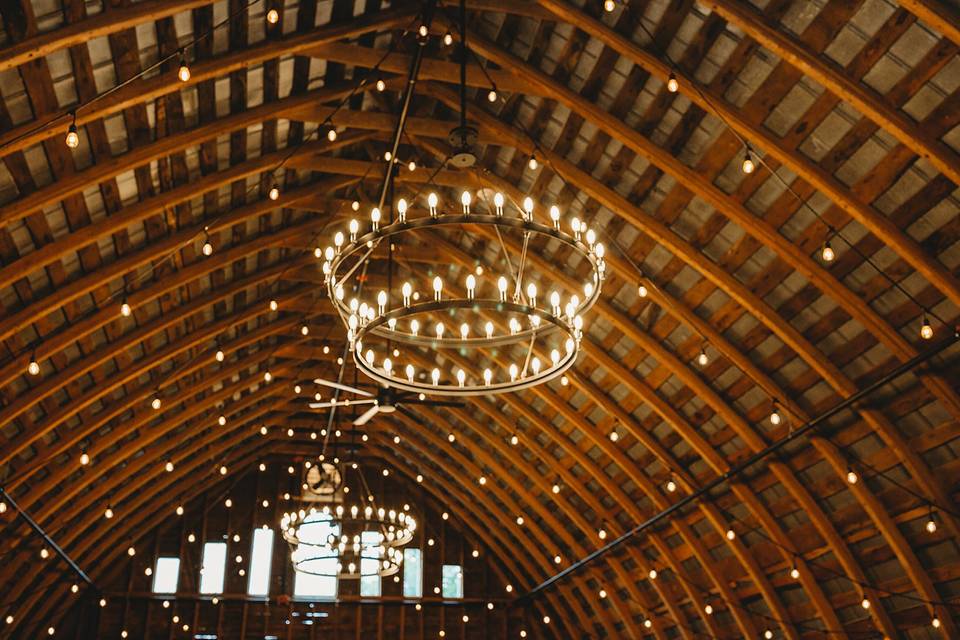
(369, 565)
(214, 565)
(260, 557)
(166, 575)
(308, 585)
(452, 584)
(412, 573)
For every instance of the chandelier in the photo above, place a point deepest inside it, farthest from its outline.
(346, 541)
(484, 326)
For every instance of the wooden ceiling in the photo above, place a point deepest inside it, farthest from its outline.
(854, 104)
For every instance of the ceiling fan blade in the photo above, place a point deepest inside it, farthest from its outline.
(342, 387)
(365, 417)
(340, 403)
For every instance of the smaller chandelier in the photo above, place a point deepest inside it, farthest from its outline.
(347, 542)
(512, 312)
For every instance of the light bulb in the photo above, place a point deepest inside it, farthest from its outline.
(642, 290)
(502, 286)
(652, 574)
(465, 200)
(671, 486)
(609, 5)
(435, 376)
(935, 622)
(331, 134)
(926, 331)
(555, 216)
(108, 513)
(532, 294)
(72, 139)
(795, 573)
(464, 331)
(492, 95)
(532, 162)
(488, 329)
(852, 476)
(179, 509)
(528, 207)
(775, 417)
(702, 358)
(34, 367)
(207, 248)
(498, 202)
(555, 488)
(731, 534)
(156, 403)
(865, 603)
(184, 72)
(219, 356)
(708, 609)
(274, 192)
(381, 85)
(614, 436)
(827, 252)
(375, 218)
(125, 309)
(274, 305)
(471, 285)
(273, 16)
(447, 39)
(602, 534)
(168, 467)
(747, 166)
(437, 287)
(84, 459)
(488, 377)
(931, 525)
(672, 84)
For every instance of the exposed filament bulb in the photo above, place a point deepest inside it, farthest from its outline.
(437, 287)
(502, 286)
(402, 209)
(528, 208)
(498, 203)
(432, 201)
(471, 286)
(465, 201)
(407, 291)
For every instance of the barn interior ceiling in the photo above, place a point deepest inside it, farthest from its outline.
(759, 434)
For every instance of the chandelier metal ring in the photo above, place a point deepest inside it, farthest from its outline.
(467, 387)
(359, 244)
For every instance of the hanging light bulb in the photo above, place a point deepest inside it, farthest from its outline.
(652, 574)
(827, 252)
(747, 166)
(532, 163)
(437, 287)
(492, 95)
(381, 85)
(207, 248)
(219, 355)
(72, 139)
(84, 459)
(332, 134)
(852, 476)
(731, 534)
(702, 359)
(184, 72)
(865, 603)
(609, 5)
(502, 287)
(642, 290)
(273, 16)
(156, 403)
(673, 85)
(125, 309)
(795, 572)
(931, 525)
(108, 512)
(465, 200)
(447, 39)
(775, 417)
(926, 331)
(33, 368)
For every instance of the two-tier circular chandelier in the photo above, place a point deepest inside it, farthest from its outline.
(460, 319)
(344, 541)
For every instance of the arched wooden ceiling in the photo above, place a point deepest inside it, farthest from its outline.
(853, 104)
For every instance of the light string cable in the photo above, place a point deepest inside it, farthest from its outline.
(803, 203)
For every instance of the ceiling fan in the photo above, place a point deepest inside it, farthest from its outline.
(385, 400)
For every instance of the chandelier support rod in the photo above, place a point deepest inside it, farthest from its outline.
(407, 99)
(811, 426)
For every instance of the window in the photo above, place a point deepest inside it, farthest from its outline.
(369, 564)
(214, 566)
(452, 582)
(317, 560)
(166, 575)
(260, 557)
(412, 573)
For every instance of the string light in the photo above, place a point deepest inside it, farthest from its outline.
(273, 16)
(926, 331)
(673, 85)
(207, 248)
(72, 139)
(184, 72)
(34, 367)
(826, 252)
(702, 359)
(747, 166)
(852, 476)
